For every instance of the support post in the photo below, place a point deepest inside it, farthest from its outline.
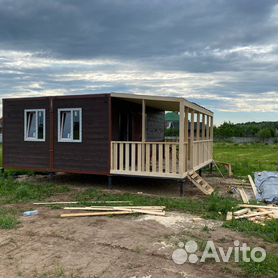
(207, 127)
(181, 184)
(191, 139)
(143, 121)
(186, 148)
(143, 149)
(211, 128)
(110, 183)
(203, 126)
(181, 139)
(198, 138)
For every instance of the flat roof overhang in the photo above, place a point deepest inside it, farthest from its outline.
(164, 103)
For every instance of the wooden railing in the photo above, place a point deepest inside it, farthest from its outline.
(149, 158)
(202, 152)
(158, 158)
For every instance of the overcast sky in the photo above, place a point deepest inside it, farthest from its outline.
(221, 54)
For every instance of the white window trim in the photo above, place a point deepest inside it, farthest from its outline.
(26, 138)
(70, 140)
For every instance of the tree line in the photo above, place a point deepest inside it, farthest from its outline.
(261, 130)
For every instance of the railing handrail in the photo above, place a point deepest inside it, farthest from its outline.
(140, 142)
(199, 141)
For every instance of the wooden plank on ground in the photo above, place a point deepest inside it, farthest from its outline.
(243, 195)
(78, 202)
(254, 188)
(241, 211)
(106, 213)
(229, 216)
(253, 214)
(257, 206)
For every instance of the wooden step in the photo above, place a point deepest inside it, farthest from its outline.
(200, 183)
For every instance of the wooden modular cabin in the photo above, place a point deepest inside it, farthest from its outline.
(105, 134)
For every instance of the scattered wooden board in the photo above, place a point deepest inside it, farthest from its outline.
(254, 188)
(107, 213)
(257, 206)
(243, 195)
(241, 211)
(253, 214)
(78, 202)
(144, 210)
(229, 216)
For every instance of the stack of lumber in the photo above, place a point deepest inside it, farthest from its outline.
(114, 210)
(110, 209)
(255, 213)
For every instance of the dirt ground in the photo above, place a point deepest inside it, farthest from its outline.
(125, 246)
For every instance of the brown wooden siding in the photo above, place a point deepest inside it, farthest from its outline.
(17, 152)
(92, 154)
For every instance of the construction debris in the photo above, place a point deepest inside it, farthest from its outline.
(78, 202)
(253, 186)
(200, 183)
(243, 195)
(255, 213)
(107, 213)
(228, 167)
(115, 210)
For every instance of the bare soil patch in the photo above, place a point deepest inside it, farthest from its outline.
(46, 245)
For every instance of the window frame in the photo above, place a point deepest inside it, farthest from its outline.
(32, 139)
(59, 132)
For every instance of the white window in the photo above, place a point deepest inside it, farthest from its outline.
(34, 125)
(70, 125)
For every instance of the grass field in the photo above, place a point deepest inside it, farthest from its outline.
(248, 158)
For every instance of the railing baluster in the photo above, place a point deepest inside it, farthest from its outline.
(115, 156)
(121, 156)
(126, 156)
(147, 157)
(167, 158)
(133, 157)
(174, 158)
(160, 158)
(139, 157)
(153, 157)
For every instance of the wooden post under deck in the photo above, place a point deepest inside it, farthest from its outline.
(181, 139)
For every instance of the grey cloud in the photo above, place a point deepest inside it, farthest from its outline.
(84, 29)
(212, 51)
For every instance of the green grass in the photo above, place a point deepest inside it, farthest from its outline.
(214, 206)
(8, 218)
(268, 232)
(247, 158)
(12, 191)
(266, 268)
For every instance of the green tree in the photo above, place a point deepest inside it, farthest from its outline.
(264, 133)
